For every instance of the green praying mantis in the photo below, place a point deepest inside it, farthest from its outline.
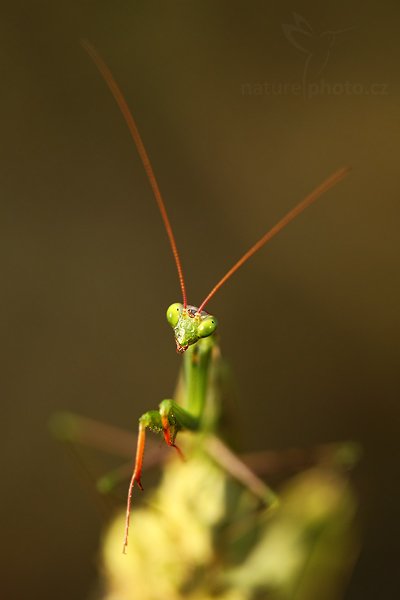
(194, 328)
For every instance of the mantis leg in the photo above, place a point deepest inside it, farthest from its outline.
(174, 418)
(169, 419)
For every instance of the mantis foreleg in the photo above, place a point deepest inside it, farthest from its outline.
(169, 419)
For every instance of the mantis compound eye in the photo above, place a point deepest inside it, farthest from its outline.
(173, 313)
(207, 326)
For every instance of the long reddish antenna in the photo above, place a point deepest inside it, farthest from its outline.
(292, 214)
(126, 113)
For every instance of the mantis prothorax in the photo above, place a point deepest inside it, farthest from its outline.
(194, 328)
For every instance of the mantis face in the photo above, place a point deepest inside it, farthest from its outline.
(189, 325)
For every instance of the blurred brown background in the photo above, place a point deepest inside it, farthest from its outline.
(311, 326)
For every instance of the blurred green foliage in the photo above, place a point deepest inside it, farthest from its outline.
(202, 535)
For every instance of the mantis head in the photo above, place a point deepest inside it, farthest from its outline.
(189, 324)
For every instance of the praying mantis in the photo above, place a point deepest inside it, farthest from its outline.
(193, 327)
